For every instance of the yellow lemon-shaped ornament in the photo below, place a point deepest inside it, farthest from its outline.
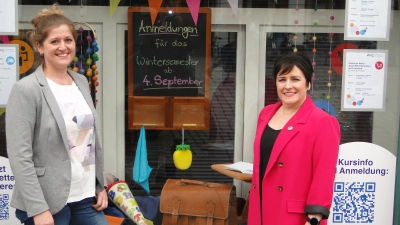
(182, 157)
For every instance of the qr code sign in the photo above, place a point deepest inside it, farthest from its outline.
(4, 207)
(353, 202)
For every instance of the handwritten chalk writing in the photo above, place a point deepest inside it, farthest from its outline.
(165, 62)
(171, 46)
(160, 43)
(146, 81)
(168, 70)
(177, 43)
(158, 80)
(168, 29)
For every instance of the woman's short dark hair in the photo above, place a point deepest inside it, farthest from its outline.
(285, 63)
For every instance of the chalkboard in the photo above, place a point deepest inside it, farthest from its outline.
(169, 69)
(170, 57)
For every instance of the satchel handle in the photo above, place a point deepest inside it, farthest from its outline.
(183, 182)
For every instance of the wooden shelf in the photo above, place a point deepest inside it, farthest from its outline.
(168, 113)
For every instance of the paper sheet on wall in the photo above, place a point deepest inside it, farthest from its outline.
(8, 16)
(9, 70)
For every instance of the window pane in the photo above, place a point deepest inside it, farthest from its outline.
(213, 146)
(305, 4)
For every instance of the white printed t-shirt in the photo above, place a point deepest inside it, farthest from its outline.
(79, 122)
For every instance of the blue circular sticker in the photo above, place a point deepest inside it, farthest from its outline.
(10, 60)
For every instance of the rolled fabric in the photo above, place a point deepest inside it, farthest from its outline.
(141, 169)
(121, 195)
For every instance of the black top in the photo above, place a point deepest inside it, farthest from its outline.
(267, 143)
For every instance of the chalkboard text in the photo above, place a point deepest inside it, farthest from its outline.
(176, 43)
(165, 62)
(160, 81)
(168, 29)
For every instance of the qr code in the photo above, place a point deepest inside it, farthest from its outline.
(4, 207)
(353, 202)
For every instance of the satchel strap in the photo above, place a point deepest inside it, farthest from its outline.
(210, 212)
(176, 202)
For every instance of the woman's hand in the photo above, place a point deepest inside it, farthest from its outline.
(102, 201)
(44, 218)
(318, 216)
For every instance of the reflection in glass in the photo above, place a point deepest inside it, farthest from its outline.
(213, 146)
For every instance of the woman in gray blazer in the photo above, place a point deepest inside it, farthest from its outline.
(53, 134)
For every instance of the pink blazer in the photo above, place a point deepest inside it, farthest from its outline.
(301, 168)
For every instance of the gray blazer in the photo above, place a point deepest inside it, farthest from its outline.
(37, 145)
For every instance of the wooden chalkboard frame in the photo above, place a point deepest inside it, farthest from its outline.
(169, 112)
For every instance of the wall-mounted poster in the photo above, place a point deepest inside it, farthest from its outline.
(364, 185)
(367, 20)
(364, 80)
(7, 182)
(9, 17)
(9, 70)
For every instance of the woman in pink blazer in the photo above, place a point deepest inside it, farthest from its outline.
(295, 152)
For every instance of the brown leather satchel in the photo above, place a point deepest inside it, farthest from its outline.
(192, 202)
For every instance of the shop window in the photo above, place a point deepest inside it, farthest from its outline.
(212, 146)
(305, 4)
(355, 126)
(308, 4)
